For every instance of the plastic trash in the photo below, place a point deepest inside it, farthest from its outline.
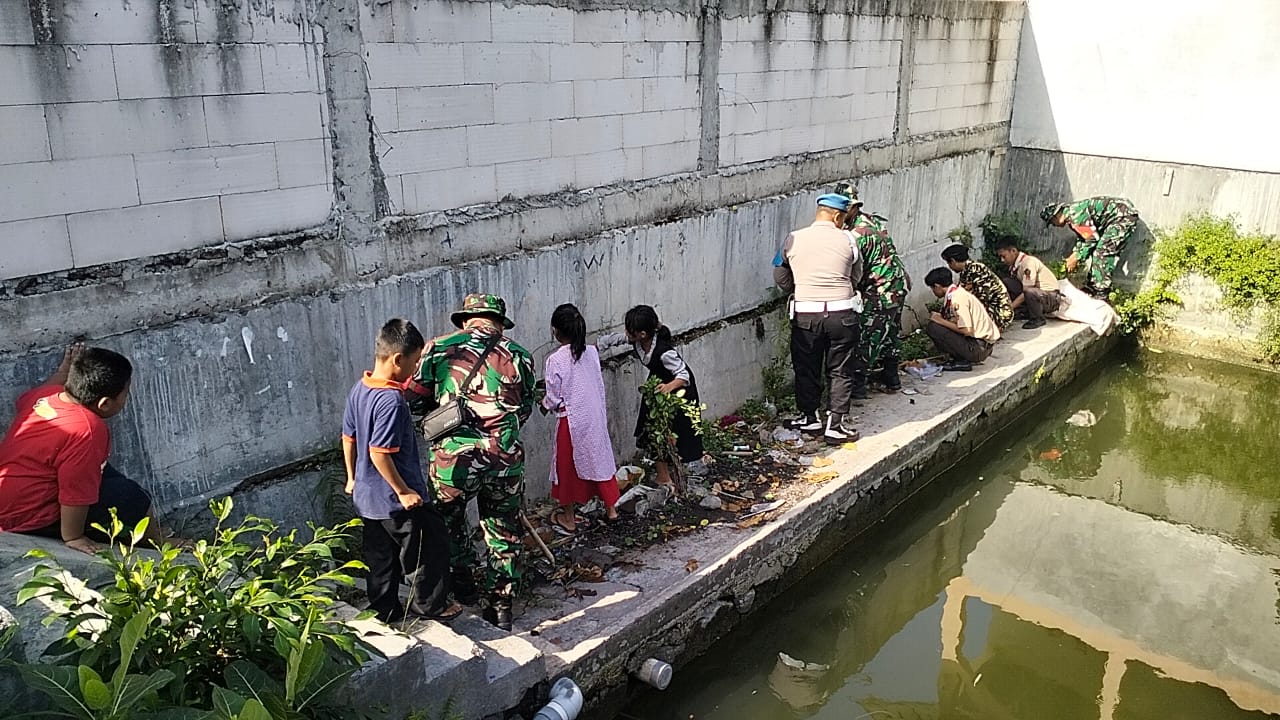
(785, 435)
(1083, 419)
(924, 370)
(760, 508)
(642, 498)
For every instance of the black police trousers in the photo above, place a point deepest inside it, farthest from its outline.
(830, 341)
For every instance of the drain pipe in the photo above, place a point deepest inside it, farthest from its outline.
(565, 703)
(655, 673)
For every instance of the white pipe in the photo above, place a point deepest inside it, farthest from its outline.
(655, 673)
(565, 703)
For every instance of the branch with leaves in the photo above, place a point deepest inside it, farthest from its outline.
(659, 425)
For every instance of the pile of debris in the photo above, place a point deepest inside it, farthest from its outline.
(755, 468)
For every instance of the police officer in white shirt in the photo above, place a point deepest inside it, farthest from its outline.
(820, 264)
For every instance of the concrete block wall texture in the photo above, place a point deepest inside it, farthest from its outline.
(476, 101)
(138, 129)
(1188, 88)
(798, 82)
(962, 73)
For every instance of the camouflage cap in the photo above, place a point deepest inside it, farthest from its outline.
(849, 190)
(1051, 211)
(483, 304)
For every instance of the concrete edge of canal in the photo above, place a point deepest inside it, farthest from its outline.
(686, 618)
(663, 609)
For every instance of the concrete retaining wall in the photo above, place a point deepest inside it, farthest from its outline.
(453, 166)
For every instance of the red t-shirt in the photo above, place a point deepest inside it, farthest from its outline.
(53, 455)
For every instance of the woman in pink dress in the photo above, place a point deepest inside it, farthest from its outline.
(583, 464)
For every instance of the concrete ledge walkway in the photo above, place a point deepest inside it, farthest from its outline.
(655, 602)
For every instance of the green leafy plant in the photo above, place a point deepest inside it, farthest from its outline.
(996, 227)
(80, 692)
(918, 345)
(961, 234)
(1246, 266)
(662, 409)
(251, 597)
(714, 437)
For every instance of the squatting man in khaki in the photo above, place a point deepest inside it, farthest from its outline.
(820, 265)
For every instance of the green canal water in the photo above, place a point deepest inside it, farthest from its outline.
(1124, 567)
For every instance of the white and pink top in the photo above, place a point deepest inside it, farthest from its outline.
(575, 390)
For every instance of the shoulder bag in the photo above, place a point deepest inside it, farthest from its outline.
(446, 419)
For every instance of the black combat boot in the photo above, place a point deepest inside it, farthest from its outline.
(498, 612)
(464, 587)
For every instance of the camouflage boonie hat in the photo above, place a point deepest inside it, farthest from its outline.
(849, 190)
(1051, 211)
(483, 304)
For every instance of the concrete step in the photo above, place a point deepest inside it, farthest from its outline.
(512, 666)
(426, 667)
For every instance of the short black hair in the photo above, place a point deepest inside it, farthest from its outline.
(398, 336)
(938, 276)
(98, 373)
(956, 253)
(1007, 242)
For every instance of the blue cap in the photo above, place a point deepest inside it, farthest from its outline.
(834, 201)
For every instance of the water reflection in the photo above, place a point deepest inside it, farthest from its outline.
(1055, 589)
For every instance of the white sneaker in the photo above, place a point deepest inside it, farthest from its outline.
(807, 424)
(838, 432)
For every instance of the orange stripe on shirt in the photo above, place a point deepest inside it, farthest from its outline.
(385, 451)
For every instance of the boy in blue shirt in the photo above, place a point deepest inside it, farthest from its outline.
(404, 534)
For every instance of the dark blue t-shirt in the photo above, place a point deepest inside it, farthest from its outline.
(378, 419)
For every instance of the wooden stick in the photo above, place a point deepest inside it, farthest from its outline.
(536, 537)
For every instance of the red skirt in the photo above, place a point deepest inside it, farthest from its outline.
(570, 488)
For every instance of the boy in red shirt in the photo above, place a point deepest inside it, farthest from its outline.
(54, 477)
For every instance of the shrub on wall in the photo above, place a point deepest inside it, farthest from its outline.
(1246, 266)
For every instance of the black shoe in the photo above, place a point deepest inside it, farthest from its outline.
(1033, 324)
(809, 424)
(498, 614)
(464, 588)
(838, 431)
(958, 366)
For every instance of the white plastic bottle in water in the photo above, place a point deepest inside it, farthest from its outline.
(565, 703)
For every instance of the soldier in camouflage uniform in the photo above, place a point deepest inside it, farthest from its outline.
(484, 458)
(1103, 225)
(884, 289)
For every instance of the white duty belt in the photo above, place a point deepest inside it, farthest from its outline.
(806, 306)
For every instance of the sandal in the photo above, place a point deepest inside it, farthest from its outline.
(448, 615)
(558, 526)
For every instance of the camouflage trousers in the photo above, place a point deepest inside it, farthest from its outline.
(1105, 256)
(462, 469)
(881, 343)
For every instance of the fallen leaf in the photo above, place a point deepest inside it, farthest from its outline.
(750, 521)
(822, 476)
(691, 566)
(1054, 454)
(823, 462)
(731, 507)
(849, 446)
